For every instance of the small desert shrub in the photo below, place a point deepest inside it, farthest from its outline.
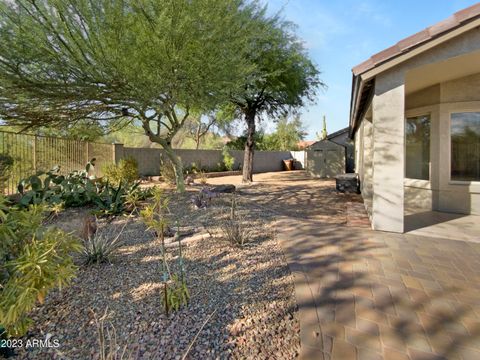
(228, 159)
(33, 260)
(235, 229)
(100, 244)
(193, 168)
(175, 291)
(203, 199)
(134, 199)
(126, 172)
(202, 177)
(108, 346)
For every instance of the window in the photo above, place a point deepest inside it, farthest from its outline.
(417, 147)
(465, 149)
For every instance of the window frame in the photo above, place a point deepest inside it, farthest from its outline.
(419, 183)
(456, 110)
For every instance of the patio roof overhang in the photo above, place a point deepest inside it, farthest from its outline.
(363, 80)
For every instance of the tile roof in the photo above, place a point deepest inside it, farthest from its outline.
(305, 143)
(407, 44)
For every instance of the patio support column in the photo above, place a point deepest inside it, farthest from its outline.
(388, 152)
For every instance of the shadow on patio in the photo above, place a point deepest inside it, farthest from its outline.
(370, 295)
(443, 225)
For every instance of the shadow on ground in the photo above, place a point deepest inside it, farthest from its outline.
(369, 295)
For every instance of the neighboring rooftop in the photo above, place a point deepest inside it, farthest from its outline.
(458, 19)
(305, 143)
(337, 133)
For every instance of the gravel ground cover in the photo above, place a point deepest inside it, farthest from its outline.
(242, 299)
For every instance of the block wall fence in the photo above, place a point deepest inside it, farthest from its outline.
(149, 158)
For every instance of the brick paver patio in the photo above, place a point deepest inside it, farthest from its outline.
(371, 295)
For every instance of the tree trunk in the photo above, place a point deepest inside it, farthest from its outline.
(178, 168)
(197, 137)
(166, 143)
(249, 147)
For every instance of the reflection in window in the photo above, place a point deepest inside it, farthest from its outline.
(465, 138)
(417, 147)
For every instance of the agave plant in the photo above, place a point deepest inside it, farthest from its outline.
(99, 246)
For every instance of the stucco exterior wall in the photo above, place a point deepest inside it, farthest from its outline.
(464, 44)
(440, 193)
(364, 161)
(461, 90)
(425, 97)
(149, 159)
(388, 152)
(391, 192)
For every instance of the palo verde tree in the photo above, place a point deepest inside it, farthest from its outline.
(283, 80)
(150, 61)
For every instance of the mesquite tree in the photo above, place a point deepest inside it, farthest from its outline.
(63, 61)
(284, 79)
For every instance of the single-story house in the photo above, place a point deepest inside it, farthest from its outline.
(415, 120)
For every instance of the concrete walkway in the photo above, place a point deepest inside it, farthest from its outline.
(371, 295)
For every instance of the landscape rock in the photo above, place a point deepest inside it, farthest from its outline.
(225, 189)
(236, 285)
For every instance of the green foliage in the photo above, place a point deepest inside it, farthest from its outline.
(111, 200)
(284, 78)
(74, 189)
(175, 291)
(287, 134)
(285, 137)
(126, 172)
(153, 215)
(33, 259)
(82, 130)
(194, 168)
(6, 164)
(133, 199)
(228, 159)
(99, 247)
(78, 189)
(239, 142)
(76, 61)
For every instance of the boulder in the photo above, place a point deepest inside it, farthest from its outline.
(227, 189)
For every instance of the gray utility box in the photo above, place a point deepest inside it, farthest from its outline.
(348, 183)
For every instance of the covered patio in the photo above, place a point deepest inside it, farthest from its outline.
(415, 117)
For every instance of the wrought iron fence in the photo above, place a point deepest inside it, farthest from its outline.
(33, 153)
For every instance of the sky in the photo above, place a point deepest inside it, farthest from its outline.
(341, 34)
